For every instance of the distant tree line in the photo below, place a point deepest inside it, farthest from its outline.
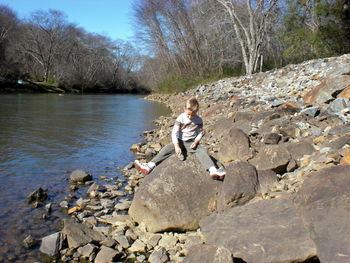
(47, 48)
(179, 43)
(194, 40)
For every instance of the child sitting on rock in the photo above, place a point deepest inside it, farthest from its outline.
(186, 136)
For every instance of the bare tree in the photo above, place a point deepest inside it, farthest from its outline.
(45, 34)
(250, 33)
(8, 22)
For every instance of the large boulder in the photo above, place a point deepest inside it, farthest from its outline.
(266, 178)
(324, 205)
(175, 196)
(327, 90)
(262, 232)
(208, 254)
(251, 116)
(221, 126)
(240, 185)
(234, 146)
(345, 93)
(342, 129)
(339, 143)
(272, 157)
(299, 149)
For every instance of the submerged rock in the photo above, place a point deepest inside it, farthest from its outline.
(39, 195)
(80, 176)
(29, 242)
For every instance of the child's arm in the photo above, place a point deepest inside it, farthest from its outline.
(198, 137)
(175, 135)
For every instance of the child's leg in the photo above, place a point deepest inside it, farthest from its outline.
(202, 155)
(164, 153)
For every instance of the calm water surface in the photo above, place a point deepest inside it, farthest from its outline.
(43, 138)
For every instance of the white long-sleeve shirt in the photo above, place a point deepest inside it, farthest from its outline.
(186, 129)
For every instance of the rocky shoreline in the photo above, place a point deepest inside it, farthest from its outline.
(283, 137)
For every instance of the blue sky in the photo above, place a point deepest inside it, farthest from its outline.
(108, 17)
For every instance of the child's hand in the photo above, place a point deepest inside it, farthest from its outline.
(178, 149)
(194, 144)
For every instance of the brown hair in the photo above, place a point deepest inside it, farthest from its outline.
(192, 104)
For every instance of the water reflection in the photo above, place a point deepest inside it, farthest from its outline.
(44, 137)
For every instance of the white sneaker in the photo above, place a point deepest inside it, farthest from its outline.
(142, 167)
(217, 174)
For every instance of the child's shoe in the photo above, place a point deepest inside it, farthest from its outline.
(142, 167)
(217, 174)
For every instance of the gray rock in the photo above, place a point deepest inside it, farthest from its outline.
(122, 240)
(272, 157)
(106, 255)
(222, 126)
(234, 146)
(311, 111)
(240, 185)
(323, 202)
(39, 195)
(339, 143)
(168, 241)
(52, 244)
(276, 103)
(29, 242)
(137, 246)
(316, 131)
(341, 129)
(338, 105)
(204, 253)
(172, 197)
(94, 187)
(48, 208)
(262, 232)
(266, 179)
(327, 90)
(82, 202)
(123, 205)
(192, 241)
(80, 234)
(107, 203)
(64, 204)
(271, 138)
(158, 256)
(79, 176)
(87, 250)
(251, 116)
(108, 242)
(150, 239)
(299, 149)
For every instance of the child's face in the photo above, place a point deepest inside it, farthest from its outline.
(190, 114)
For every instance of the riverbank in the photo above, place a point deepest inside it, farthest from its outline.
(283, 137)
(13, 87)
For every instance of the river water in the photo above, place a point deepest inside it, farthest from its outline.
(43, 138)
